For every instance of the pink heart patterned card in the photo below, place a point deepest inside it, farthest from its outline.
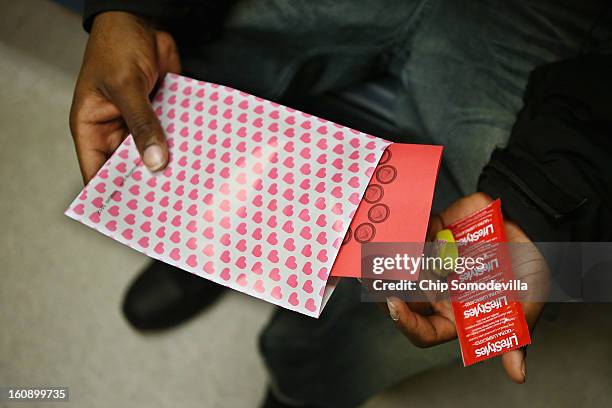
(256, 196)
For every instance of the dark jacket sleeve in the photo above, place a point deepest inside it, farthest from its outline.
(555, 175)
(185, 18)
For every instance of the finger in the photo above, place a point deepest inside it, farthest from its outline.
(90, 158)
(422, 308)
(435, 225)
(95, 142)
(463, 207)
(514, 364)
(169, 60)
(514, 361)
(422, 331)
(133, 102)
(532, 312)
(90, 161)
(95, 149)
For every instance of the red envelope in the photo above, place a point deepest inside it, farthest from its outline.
(396, 204)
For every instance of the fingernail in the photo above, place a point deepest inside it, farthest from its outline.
(392, 310)
(153, 157)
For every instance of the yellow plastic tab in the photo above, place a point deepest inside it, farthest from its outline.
(447, 249)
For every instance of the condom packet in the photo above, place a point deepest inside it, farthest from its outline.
(489, 321)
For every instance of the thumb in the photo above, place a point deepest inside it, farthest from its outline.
(135, 107)
(514, 364)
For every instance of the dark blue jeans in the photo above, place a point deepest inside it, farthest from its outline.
(463, 67)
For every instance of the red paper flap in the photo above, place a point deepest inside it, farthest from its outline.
(396, 205)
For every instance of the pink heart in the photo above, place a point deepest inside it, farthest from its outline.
(241, 262)
(192, 210)
(225, 256)
(292, 281)
(322, 238)
(79, 209)
(272, 220)
(241, 280)
(191, 261)
(192, 244)
(290, 263)
(338, 226)
(310, 305)
(288, 210)
(225, 223)
(306, 233)
(225, 240)
(307, 287)
(95, 217)
(288, 194)
(274, 274)
(272, 205)
(273, 256)
(100, 187)
(288, 228)
(337, 208)
(132, 204)
(208, 250)
(304, 199)
(256, 268)
(307, 250)
(241, 245)
(225, 274)
(175, 254)
(321, 220)
(209, 267)
(276, 293)
(259, 286)
(129, 219)
(208, 233)
(97, 202)
(323, 274)
(293, 299)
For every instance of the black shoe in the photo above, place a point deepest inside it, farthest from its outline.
(163, 296)
(271, 401)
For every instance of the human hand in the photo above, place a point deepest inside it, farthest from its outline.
(430, 323)
(124, 60)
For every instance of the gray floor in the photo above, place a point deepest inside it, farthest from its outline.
(61, 283)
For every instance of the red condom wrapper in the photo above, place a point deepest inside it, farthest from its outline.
(489, 322)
